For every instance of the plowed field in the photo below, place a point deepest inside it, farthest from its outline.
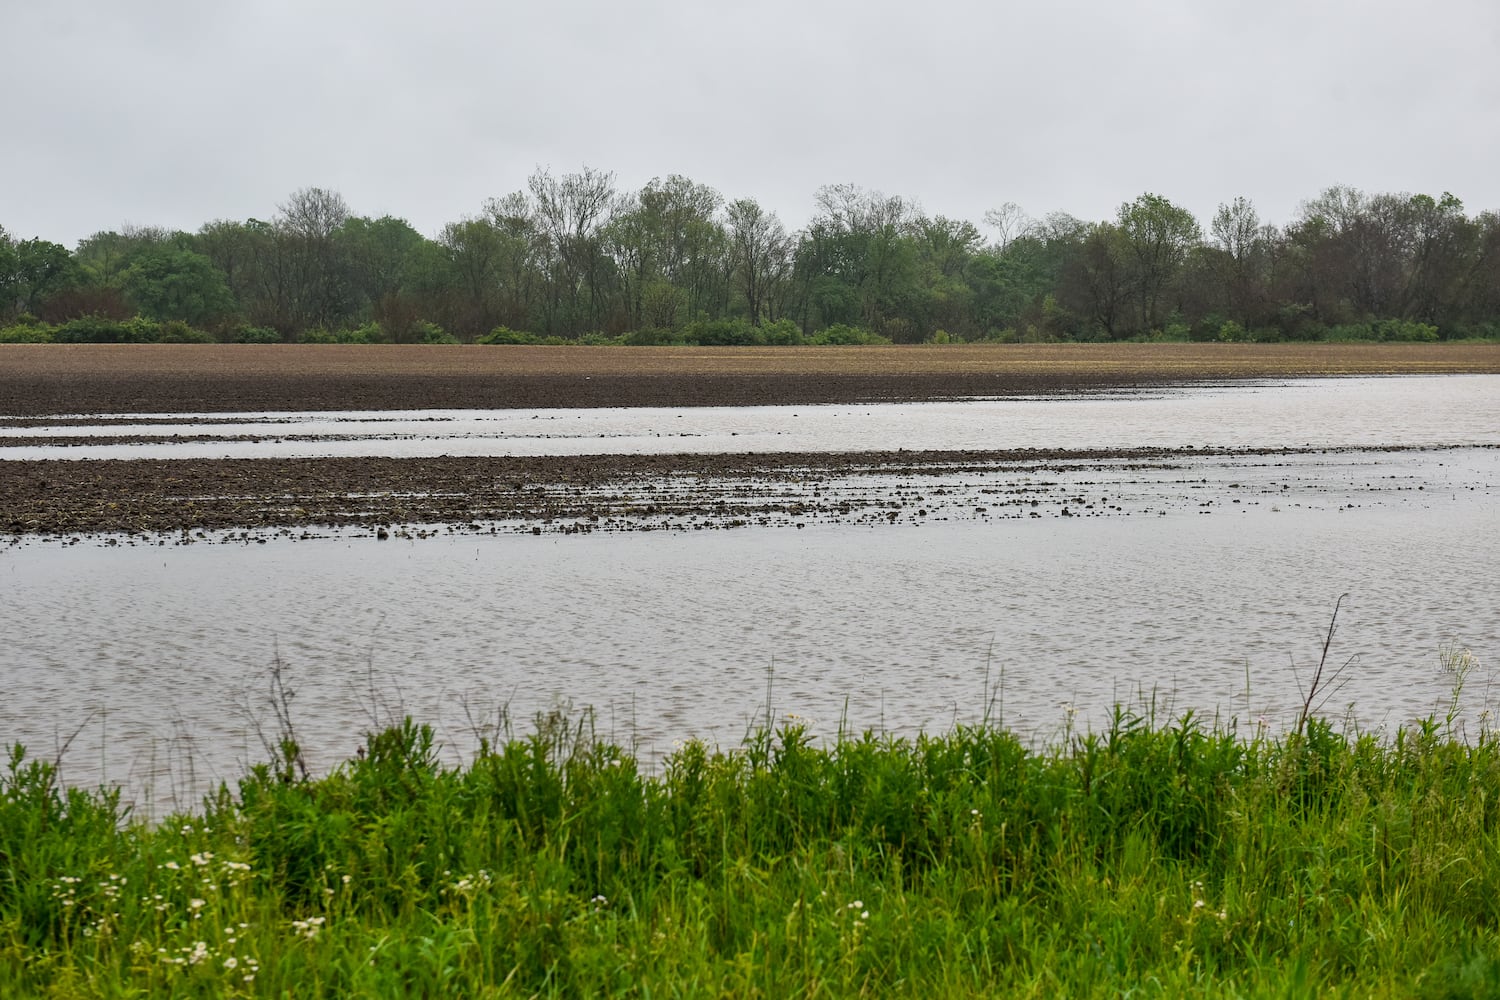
(51, 379)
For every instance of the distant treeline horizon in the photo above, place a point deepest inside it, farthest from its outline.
(573, 258)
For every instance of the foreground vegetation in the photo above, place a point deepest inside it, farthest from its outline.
(1147, 859)
(572, 257)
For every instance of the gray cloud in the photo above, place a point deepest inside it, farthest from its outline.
(174, 112)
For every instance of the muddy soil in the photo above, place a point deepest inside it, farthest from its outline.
(62, 379)
(181, 499)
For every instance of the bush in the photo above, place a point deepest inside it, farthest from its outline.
(1385, 331)
(431, 333)
(39, 334)
(1231, 332)
(370, 333)
(1487, 331)
(177, 332)
(1177, 331)
(256, 335)
(505, 335)
(1405, 331)
(1346, 332)
(842, 335)
(782, 333)
(97, 330)
(724, 333)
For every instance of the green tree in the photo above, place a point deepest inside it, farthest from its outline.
(1101, 280)
(103, 257)
(520, 248)
(38, 269)
(572, 212)
(9, 280)
(1444, 247)
(668, 253)
(858, 264)
(171, 284)
(1032, 271)
(1239, 260)
(945, 248)
(471, 250)
(1158, 235)
(383, 257)
(313, 273)
(762, 255)
(231, 246)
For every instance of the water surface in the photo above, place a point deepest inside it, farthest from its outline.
(1321, 413)
(1203, 583)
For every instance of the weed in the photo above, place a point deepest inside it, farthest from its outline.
(1159, 849)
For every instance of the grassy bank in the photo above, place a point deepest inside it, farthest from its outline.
(1151, 860)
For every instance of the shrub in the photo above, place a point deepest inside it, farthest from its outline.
(505, 335)
(1345, 332)
(840, 334)
(724, 333)
(1231, 332)
(782, 333)
(39, 334)
(1489, 330)
(1177, 331)
(177, 332)
(256, 335)
(1405, 331)
(597, 339)
(97, 330)
(1386, 331)
(370, 333)
(431, 333)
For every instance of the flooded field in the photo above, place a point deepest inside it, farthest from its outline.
(1314, 412)
(889, 596)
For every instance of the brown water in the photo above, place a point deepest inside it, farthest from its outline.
(158, 656)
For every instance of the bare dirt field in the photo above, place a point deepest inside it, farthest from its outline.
(55, 379)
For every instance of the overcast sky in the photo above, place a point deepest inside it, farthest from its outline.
(175, 112)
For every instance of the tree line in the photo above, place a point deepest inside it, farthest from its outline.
(572, 257)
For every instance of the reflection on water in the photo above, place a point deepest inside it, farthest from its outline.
(673, 634)
(1208, 578)
(1352, 412)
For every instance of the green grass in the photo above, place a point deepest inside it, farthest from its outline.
(1175, 860)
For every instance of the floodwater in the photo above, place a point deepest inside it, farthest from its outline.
(159, 658)
(1320, 413)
